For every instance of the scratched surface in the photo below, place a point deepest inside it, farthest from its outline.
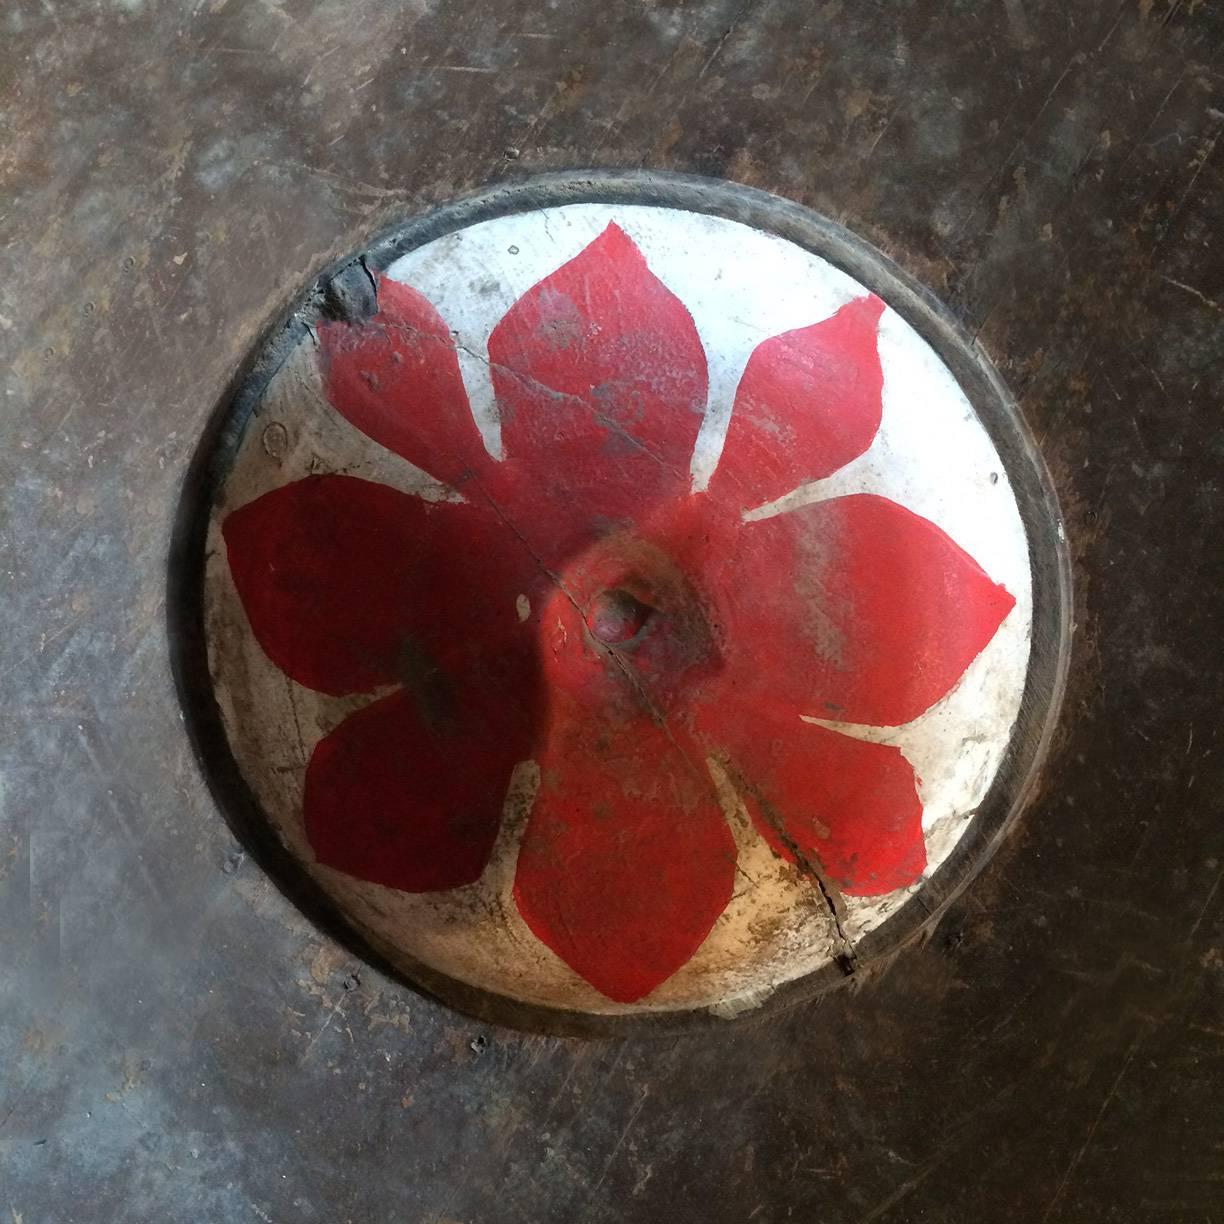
(178, 1043)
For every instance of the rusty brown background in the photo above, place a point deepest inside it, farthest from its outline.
(178, 1043)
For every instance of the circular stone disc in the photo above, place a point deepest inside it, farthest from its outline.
(622, 596)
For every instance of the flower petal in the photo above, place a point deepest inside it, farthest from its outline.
(601, 382)
(808, 402)
(349, 585)
(627, 861)
(882, 617)
(409, 794)
(850, 805)
(396, 377)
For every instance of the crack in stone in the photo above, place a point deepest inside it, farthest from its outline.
(847, 958)
(533, 384)
(550, 574)
(660, 720)
(601, 418)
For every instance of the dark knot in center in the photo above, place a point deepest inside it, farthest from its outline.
(616, 617)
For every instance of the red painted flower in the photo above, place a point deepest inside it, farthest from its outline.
(584, 609)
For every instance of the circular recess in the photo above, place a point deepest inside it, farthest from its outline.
(620, 597)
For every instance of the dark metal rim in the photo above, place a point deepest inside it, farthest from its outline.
(1049, 658)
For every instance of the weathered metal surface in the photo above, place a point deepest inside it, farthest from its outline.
(178, 1042)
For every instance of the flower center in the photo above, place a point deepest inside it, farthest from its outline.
(615, 617)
